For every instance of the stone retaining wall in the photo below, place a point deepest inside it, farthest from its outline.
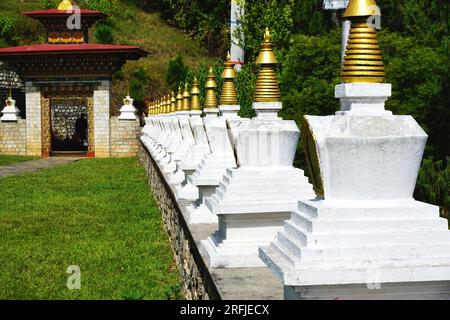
(13, 138)
(196, 279)
(124, 138)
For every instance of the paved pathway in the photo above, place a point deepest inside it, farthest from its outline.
(34, 165)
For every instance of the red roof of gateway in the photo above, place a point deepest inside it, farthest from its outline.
(56, 12)
(85, 48)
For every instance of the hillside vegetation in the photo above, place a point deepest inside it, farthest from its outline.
(130, 25)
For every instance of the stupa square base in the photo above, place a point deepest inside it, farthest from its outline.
(356, 242)
(236, 246)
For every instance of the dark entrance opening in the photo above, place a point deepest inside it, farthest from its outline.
(69, 126)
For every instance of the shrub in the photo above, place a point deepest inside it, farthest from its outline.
(137, 87)
(245, 85)
(6, 25)
(176, 72)
(104, 34)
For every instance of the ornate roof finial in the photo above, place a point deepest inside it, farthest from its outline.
(267, 89)
(229, 94)
(186, 98)
(179, 99)
(65, 5)
(363, 61)
(195, 96)
(210, 88)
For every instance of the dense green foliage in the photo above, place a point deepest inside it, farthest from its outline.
(434, 177)
(96, 214)
(176, 72)
(104, 34)
(139, 81)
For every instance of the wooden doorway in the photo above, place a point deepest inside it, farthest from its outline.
(67, 125)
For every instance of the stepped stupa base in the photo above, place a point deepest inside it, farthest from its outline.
(270, 195)
(361, 242)
(200, 215)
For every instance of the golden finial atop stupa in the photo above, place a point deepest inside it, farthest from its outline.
(65, 5)
(9, 101)
(360, 8)
(229, 94)
(267, 89)
(173, 103)
(163, 105)
(179, 99)
(195, 96)
(363, 61)
(210, 91)
(168, 103)
(186, 98)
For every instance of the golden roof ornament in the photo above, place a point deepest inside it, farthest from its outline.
(65, 5)
(229, 94)
(267, 89)
(179, 99)
(195, 96)
(186, 98)
(363, 61)
(210, 91)
(173, 103)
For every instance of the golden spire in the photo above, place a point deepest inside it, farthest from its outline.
(229, 95)
(163, 105)
(173, 103)
(210, 88)
(186, 98)
(168, 104)
(195, 96)
(179, 99)
(363, 61)
(65, 5)
(267, 89)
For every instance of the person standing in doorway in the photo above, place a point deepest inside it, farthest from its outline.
(81, 127)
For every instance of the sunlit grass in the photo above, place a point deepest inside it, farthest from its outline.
(97, 214)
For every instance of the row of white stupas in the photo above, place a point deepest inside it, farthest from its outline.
(359, 216)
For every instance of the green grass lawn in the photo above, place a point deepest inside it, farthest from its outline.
(98, 214)
(7, 160)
